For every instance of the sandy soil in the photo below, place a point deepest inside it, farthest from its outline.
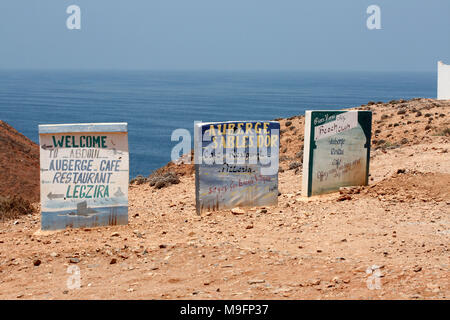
(389, 240)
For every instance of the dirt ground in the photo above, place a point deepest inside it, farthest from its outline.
(388, 240)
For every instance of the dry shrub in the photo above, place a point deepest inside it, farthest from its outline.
(295, 165)
(138, 180)
(160, 180)
(284, 158)
(14, 207)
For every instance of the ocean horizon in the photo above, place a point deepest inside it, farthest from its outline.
(154, 103)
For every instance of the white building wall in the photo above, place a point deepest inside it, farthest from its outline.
(443, 81)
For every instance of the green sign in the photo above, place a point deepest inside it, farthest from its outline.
(336, 150)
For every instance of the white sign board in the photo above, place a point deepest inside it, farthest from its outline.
(84, 175)
(336, 150)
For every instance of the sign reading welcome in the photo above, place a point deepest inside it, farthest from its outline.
(84, 175)
(336, 150)
(236, 164)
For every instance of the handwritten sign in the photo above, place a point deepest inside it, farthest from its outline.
(236, 164)
(336, 150)
(84, 175)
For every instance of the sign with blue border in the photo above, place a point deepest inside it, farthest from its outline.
(236, 164)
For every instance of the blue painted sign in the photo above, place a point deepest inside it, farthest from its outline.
(236, 164)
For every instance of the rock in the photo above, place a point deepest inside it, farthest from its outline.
(344, 197)
(314, 282)
(417, 268)
(54, 254)
(256, 281)
(113, 261)
(345, 190)
(74, 260)
(336, 279)
(376, 267)
(237, 211)
(138, 234)
(37, 262)
(162, 246)
(115, 234)
(250, 226)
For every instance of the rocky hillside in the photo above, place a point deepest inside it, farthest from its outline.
(19, 164)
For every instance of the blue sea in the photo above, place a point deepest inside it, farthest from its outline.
(156, 103)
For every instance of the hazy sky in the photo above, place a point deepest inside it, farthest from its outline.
(225, 35)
